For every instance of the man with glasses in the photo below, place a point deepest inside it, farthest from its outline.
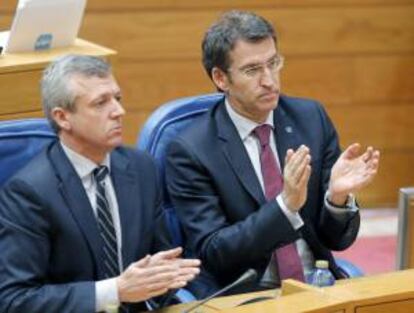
(260, 182)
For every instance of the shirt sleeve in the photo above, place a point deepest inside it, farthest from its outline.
(106, 295)
(350, 206)
(294, 218)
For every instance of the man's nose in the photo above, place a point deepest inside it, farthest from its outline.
(268, 77)
(118, 109)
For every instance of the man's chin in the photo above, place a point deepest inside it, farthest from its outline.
(269, 99)
(116, 142)
(267, 106)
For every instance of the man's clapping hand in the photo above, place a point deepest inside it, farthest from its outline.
(155, 274)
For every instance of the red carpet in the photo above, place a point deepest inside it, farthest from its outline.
(373, 255)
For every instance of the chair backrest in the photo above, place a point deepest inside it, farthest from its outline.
(162, 126)
(20, 141)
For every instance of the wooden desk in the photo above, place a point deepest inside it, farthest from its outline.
(221, 303)
(393, 292)
(20, 75)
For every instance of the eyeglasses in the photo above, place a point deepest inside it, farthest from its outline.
(274, 65)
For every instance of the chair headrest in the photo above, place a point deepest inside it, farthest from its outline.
(167, 121)
(20, 141)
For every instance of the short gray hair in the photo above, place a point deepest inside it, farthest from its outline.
(222, 36)
(56, 88)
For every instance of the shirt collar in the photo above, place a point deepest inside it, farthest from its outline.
(243, 125)
(83, 166)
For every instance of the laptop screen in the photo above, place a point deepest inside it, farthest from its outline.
(43, 24)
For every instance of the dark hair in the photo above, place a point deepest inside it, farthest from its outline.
(232, 26)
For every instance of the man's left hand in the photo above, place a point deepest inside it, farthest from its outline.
(351, 172)
(187, 269)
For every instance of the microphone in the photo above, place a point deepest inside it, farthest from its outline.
(248, 276)
(167, 299)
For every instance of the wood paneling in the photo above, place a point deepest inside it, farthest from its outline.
(29, 114)
(5, 21)
(20, 87)
(132, 124)
(147, 85)
(172, 5)
(349, 80)
(402, 306)
(395, 171)
(177, 35)
(219, 4)
(373, 126)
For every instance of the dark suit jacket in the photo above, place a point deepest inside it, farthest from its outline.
(49, 241)
(227, 221)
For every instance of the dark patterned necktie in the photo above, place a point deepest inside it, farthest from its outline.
(106, 225)
(107, 229)
(288, 260)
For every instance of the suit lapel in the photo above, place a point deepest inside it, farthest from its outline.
(125, 189)
(77, 202)
(286, 134)
(236, 154)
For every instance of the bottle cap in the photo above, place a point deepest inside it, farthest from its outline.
(111, 308)
(322, 264)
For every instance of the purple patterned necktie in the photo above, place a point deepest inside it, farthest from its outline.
(288, 260)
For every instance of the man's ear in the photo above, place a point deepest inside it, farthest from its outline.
(61, 117)
(220, 79)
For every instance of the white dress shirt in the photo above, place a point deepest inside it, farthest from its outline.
(245, 129)
(107, 289)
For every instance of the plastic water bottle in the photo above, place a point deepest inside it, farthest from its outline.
(322, 276)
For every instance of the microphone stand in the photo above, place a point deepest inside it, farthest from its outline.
(248, 276)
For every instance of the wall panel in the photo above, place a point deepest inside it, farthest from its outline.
(395, 171)
(153, 35)
(370, 126)
(349, 80)
(28, 114)
(21, 87)
(174, 5)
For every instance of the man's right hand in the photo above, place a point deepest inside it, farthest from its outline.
(295, 178)
(155, 275)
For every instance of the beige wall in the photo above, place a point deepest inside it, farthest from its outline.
(356, 57)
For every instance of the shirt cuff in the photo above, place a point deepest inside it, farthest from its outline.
(294, 218)
(350, 205)
(107, 295)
